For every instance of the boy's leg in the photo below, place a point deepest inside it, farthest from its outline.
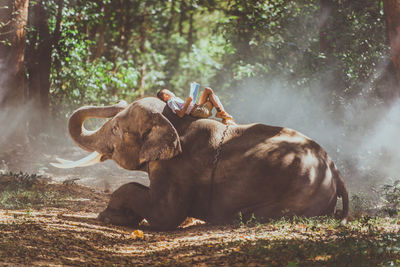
(203, 97)
(208, 94)
(202, 110)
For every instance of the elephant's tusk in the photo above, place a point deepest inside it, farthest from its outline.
(63, 160)
(86, 161)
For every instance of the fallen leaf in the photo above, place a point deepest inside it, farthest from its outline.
(138, 234)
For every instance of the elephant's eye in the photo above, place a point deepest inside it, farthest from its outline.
(145, 134)
(114, 130)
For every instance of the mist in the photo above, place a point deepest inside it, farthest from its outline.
(359, 133)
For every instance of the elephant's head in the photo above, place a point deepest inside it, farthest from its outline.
(135, 135)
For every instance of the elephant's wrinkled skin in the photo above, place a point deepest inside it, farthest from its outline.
(262, 170)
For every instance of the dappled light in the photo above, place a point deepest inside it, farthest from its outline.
(273, 142)
(68, 233)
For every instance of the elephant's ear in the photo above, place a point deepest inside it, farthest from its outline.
(162, 142)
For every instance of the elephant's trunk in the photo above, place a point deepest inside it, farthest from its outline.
(88, 139)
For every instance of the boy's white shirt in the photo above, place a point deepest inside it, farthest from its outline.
(175, 103)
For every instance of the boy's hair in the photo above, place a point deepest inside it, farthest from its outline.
(164, 92)
(159, 94)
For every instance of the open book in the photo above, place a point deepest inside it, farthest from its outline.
(194, 91)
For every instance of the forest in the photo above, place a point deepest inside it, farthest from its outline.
(329, 69)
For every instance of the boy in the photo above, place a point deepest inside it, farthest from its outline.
(207, 101)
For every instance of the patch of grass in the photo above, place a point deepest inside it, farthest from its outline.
(391, 198)
(367, 240)
(21, 191)
(242, 220)
(23, 198)
(361, 203)
(299, 241)
(322, 241)
(342, 251)
(381, 201)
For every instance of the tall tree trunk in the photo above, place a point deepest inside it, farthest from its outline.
(142, 46)
(173, 65)
(325, 15)
(392, 16)
(171, 19)
(328, 17)
(13, 17)
(121, 14)
(39, 66)
(182, 17)
(191, 29)
(57, 30)
(128, 26)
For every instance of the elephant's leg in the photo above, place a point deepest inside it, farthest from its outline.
(118, 211)
(163, 206)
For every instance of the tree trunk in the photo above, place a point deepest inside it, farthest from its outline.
(39, 59)
(121, 14)
(142, 46)
(128, 26)
(325, 15)
(392, 16)
(182, 17)
(12, 71)
(39, 66)
(191, 29)
(57, 30)
(173, 65)
(171, 19)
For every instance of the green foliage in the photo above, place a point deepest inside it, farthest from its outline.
(241, 220)
(96, 82)
(22, 198)
(77, 78)
(325, 242)
(360, 203)
(111, 50)
(22, 191)
(391, 198)
(382, 201)
(282, 39)
(201, 64)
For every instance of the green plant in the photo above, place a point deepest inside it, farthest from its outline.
(360, 203)
(390, 196)
(243, 220)
(22, 191)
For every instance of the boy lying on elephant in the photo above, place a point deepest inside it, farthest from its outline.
(208, 100)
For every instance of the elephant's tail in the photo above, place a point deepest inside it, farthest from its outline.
(343, 193)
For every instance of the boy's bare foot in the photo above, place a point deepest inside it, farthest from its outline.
(223, 115)
(228, 121)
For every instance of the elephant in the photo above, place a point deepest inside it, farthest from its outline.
(204, 169)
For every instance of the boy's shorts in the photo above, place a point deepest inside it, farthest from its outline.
(202, 111)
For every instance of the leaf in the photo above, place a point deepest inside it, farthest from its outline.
(138, 234)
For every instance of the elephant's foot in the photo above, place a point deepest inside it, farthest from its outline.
(118, 217)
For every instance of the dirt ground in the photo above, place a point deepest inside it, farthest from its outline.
(50, 220)
(67, 233)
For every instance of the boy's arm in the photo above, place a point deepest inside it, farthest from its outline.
(182, 112)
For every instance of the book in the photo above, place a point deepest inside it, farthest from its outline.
(194, 91)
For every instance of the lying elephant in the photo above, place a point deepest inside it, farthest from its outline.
(203, 169)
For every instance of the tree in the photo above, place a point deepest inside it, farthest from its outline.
(39, 61)
(327, 7)
(392, 16)
(13, 17)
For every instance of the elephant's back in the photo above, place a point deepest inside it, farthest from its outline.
(268, 147)
(273, 165)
